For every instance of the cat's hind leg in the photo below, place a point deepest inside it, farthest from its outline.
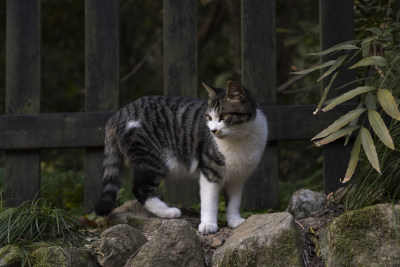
(145, 187)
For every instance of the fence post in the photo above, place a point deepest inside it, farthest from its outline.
(101, 80)
(180, 77)
(337, 25)
(259, 75)
(22, 94)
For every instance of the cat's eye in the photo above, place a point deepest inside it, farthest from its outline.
(224, 117)
(208, 117)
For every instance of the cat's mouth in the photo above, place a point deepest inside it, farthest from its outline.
(216, 133)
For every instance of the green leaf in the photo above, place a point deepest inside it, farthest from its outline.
(342, 46)
(373, 60)
(388, 103)
(336, 135)
(370, 101)
(355, 152)
(326, 90)
(352, 123)
(375, 30)
(379, 127)
(321, 66)
(337, 63)
(339, 123)
(348, 95)
(369, 148)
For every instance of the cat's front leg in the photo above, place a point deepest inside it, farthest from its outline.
(233, 190)
(209, 196)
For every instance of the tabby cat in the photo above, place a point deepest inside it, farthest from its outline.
(219, 141)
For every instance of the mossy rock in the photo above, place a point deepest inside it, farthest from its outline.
(175, 243)
(118, 243)
(138, 221)
(56, 256)
(263, 240)
(10, 256)
(364, 237)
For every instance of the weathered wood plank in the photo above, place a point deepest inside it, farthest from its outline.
(22, 94)
(337, 25)
(78, 130)
(180, 47)
(180, 77)
(259, 75)
(101, 79)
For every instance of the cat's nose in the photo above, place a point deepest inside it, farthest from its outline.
(213, 131)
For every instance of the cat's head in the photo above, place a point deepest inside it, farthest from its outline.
(229, 109)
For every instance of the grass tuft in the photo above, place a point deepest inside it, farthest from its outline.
(37, 221)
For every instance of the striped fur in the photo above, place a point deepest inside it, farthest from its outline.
(163, 136)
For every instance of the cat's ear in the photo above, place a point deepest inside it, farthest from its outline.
(235, 92)
(210, 90)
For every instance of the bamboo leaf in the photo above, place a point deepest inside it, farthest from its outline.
(352, 123)
(326, 90)
(370, 101)
(321, 66)
(355, 152)
(337, 63)
(336, 135)
(339, 123)
(375, 30)
(369, 148)
(379, 127)
(388, 103)
(342, 46)
(346, 96)
(372, 60)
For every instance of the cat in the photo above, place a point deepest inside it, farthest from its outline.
(219, 141)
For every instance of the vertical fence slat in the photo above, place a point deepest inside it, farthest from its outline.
(101, 79)
(180, 76)
(22, 93)
(259, 75)
(337, 25)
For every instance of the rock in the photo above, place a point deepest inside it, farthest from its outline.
(175, 243)
(263, 240)
(364, 237)
(216, 243)
(62, 257)
(135, 207)
(305, 203)
(10, 256)
(138, 221)
(118, 243)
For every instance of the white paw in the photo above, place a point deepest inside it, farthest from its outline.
(172, 213)
(208, 228)
(235, 222)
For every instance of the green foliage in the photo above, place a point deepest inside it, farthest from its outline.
(62, 179)
(369, 187)
(374, 55)
(38, 222)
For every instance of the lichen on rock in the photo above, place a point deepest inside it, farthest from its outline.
(118, 243)
(263, 240)
(175, 243)
(11, 256)
(364, 237)
(56, 256)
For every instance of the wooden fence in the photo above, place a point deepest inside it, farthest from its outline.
(23, 131)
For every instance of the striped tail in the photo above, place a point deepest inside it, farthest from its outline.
(111, 180)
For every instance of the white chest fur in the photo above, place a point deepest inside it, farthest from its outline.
(243, 154)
